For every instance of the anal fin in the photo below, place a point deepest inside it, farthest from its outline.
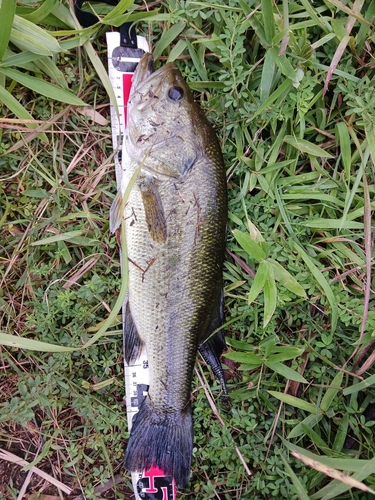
(212, 346)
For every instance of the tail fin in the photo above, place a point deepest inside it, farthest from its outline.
(161, 439)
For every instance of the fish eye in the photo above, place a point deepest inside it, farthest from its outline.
(176, 94)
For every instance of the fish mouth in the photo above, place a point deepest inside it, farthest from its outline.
(144, 70)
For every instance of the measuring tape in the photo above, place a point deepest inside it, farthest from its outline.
(152, 484)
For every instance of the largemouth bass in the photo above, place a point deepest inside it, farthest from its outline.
(175, 222)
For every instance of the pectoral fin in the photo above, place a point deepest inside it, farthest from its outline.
(116, 212)
(212, 346)
(132, 343)
(154, 212)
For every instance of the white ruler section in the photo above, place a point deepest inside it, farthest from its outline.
(152, 484)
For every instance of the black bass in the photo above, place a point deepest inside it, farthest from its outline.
(175, 220)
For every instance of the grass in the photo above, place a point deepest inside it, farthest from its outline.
(289, 87)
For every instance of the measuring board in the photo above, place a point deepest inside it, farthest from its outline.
(152, 484)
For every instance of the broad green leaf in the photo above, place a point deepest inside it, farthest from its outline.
(42, 87)
(331, 392)
(270, 297)
(284, 277)
(249, 245)
(15, 107)
(322, 282)
(7, 11)
(306, 147)
(286, 372)
(259, 280)
(293, 401)
(168, 37)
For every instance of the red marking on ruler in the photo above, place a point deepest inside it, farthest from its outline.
(153, 473)
(126, 86)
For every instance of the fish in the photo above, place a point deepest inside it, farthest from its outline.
(173, 203)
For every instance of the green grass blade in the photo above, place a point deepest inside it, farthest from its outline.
(341, 434)
(306, 147)
(368, 382)
(32, 345)
(42, 87)
(268, 21)
(310, 421)
(167, 38)
(15, 107)
(341, 482)
(270, 297)
(258, 283)
(58, 237)
(331, 392)
(33, 38)
(102, 73)
(293, 401)
(345, 142)
(286, 279)
(276, 94)
(344, 464)
(249, 245)
(322, 282)
(268, 74)
(41, 12)
(118, 10)
(177, 51)
(300, 489)
(7, 11)
(286, 371)
(284, 65)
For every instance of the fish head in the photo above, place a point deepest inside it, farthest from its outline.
(163, 121)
